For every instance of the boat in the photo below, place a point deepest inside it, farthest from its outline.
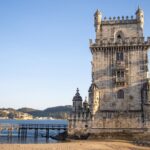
(60, 136)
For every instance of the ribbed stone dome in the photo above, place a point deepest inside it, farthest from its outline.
(77, 96)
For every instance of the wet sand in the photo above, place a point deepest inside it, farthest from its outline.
(76, 145)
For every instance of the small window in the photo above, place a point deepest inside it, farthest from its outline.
(119, 37)
(120, 94)
(119, 56)
(120, 74)
(86, 126)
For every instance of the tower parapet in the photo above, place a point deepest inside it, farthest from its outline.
(119, 20)
(122, 20)
(132, 41)
(106, 28)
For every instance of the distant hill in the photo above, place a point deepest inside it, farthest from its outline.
(26, 110)
(59, 112)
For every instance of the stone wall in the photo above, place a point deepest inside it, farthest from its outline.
(109, 31)
(104, 65)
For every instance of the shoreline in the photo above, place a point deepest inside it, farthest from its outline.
(78, 145)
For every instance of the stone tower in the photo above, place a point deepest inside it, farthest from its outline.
(119, 94)
(119, 69)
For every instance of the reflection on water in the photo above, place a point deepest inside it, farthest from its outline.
(12, 137)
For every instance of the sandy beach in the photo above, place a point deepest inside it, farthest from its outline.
(76, 145)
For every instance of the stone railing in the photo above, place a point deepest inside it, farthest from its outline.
(115, 20)
(125, 41)
(120, 79)
(120, 65)
(80, 118)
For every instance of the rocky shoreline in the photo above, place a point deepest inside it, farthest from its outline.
(140, 139)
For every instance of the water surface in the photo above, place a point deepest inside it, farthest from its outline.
(4, 138)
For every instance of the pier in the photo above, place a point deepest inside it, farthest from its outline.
(23, 129)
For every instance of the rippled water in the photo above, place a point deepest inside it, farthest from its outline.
(4, 138)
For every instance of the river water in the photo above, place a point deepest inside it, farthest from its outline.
(4, 138)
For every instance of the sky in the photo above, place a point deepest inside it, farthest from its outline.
(44, 48)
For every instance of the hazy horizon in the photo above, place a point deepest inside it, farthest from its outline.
(45, 51)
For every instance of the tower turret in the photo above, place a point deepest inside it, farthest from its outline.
(146, 92)
(140, 17)
(77, 102)
(97, 20)
(85, 104)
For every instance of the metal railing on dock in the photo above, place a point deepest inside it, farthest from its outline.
(44, 126)
(22, 129)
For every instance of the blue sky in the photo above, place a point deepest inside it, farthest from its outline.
(44, 48)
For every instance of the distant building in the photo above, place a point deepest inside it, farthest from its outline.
(24, 116)
(119, 96)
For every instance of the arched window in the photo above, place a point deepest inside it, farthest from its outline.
(119, 56)
(120, 74)
(120, 94)
(119, 36)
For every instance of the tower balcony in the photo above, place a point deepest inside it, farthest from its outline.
(120, 79)
(120, 64)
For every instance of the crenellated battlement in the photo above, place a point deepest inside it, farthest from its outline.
(119, 20)
(124, 42)
(138, 20)
(80, 116)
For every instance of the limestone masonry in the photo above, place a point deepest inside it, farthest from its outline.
(119, 96)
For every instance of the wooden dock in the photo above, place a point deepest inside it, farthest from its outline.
(22, 129)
